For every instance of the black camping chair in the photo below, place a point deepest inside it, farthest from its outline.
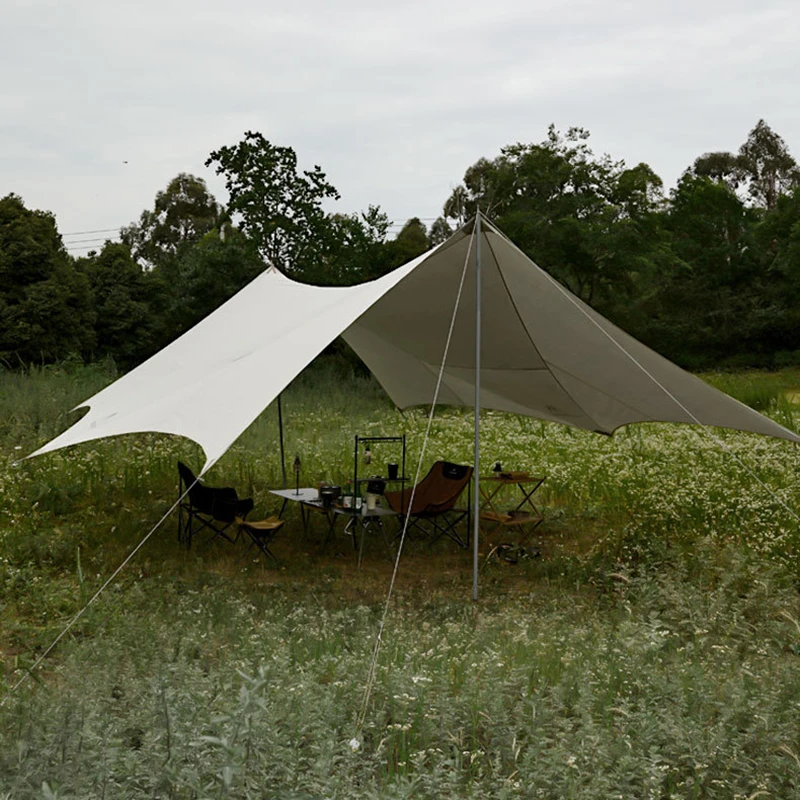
(434, 510)
(205, 507)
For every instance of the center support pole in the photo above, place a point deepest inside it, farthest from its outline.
(476, 495)
(280, 436)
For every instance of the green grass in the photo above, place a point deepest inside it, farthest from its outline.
(652, 650)
(775, 393)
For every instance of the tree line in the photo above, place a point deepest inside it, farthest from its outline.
(707, 274)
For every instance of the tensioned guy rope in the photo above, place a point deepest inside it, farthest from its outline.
(705, 428)
(94, 597)
(354, 742)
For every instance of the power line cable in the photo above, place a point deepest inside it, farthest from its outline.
(84, 233)
(93, 239)
(108, 230)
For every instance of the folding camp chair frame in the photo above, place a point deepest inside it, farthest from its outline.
(438, 523)
(261, 534)
(444, 523)
(218, 512)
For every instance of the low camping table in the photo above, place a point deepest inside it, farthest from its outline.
(309, 501)
(525, 515)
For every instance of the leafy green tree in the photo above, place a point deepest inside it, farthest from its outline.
(587, 220)
(767, 166)
(440, 231)
(280, 208)
(763, 166)
(164, 242)
(731, 295)
(412, 241)
(182, 214)
(710, 227)
(709, 306)
(45, 303)
(214, 270)
(637, 192)
(777, 246)
(778, 237)
(707, 275)
(720, 166)
(124, 323)
(455, 207)
(355, 249)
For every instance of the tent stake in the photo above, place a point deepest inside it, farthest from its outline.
(476, 495)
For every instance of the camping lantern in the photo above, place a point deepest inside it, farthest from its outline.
(297, 474)
(367, 455)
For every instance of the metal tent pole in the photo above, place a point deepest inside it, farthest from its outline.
(476, 498)
(280, 434)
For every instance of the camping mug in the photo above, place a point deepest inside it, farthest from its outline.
(391, 471)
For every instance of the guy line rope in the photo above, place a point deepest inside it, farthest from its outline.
(28, 672)
(355, 743)
(705, 428)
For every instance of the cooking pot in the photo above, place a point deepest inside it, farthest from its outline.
(327, 494)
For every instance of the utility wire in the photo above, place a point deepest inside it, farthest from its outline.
(93, 239)
(83, 233)
(108, 230)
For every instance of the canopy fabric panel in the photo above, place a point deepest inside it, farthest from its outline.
(544, 354)
(213, 381)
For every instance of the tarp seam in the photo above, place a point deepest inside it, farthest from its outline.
(530, 337)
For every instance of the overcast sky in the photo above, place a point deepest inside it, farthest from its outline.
(103, 102)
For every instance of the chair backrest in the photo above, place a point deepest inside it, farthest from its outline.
(188, 479)
(436, 493)
(196, 495)
(217, 503)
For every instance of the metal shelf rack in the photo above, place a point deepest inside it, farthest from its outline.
(367, 440)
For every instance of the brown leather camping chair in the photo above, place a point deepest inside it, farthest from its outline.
(204, 507)
(434, 508)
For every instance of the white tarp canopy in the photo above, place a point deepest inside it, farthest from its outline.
(544, 353)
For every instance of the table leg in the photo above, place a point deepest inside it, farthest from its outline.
(363, 536)
(331, 534)
(368, 523)
(489, 507)
(525, 515)
(351, 529)
(527, 496)
(527, 503)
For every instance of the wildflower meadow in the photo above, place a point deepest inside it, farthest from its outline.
(645, 643)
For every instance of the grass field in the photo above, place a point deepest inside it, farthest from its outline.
(650, 650)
